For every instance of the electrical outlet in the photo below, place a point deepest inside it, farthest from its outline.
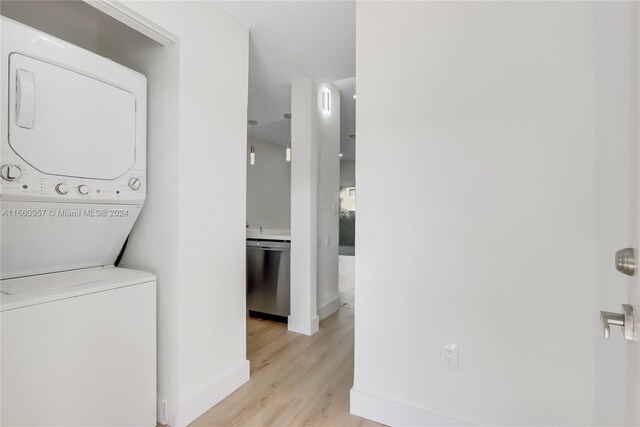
(165, 416)
(450, 356)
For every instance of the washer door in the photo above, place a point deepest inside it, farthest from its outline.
(62, 122)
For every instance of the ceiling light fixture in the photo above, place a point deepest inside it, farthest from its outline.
(252, 153)
(340, 154)
(287, 151)
(354, 96)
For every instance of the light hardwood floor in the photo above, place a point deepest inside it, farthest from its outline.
(296, 380)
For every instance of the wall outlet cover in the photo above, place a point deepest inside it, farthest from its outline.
(450, 356)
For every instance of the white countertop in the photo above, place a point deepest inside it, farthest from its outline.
(268, 234)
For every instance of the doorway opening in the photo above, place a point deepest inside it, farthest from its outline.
(347, 221)
(347, 193)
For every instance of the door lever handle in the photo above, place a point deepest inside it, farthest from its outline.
(624, 320)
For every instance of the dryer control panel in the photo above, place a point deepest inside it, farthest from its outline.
(21, 182)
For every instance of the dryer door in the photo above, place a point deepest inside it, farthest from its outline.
(62, 122)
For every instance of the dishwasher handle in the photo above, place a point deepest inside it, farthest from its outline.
(269, 245)
(270, 248)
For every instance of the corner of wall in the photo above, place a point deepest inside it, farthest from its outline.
(304, 326)
(202, 400)
(329, 308)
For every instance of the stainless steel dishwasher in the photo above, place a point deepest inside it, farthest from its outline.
(268, 279)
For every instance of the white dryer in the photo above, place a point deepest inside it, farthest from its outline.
(78, 334)
(73, 154)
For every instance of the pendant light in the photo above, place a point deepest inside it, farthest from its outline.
(252, 154)
(287, 151)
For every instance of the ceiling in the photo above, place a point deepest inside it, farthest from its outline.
(295, 40)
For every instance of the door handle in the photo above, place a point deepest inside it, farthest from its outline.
(624, 320)
(25, 99)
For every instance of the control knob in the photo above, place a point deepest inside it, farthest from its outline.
(63, 188)
(10, 172)
(134, 184)
(83, 189)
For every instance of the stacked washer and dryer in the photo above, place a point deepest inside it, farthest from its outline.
(78, 343)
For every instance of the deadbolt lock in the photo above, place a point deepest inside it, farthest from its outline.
(626, 261)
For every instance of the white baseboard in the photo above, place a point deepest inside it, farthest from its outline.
(392, 413)
(329, 308)
(199, 402)
(304, 326)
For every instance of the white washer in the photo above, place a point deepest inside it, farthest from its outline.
(79, 349)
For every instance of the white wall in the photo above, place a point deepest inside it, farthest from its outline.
(479, 117)
(347, 173)
(328, 203)
(201, 218)
(68, 20)
(268, 186)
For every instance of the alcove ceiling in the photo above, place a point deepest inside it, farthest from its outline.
(295, 40)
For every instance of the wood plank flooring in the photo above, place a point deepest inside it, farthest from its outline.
(296, 380)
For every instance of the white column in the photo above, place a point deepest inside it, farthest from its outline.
(304, 191)
(328, 202)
